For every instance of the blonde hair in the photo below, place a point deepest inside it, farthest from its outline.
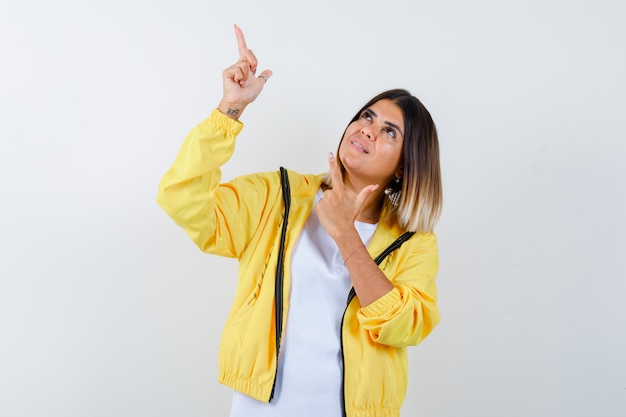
(416, 200)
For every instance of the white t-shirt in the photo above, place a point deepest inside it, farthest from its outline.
(308, 382)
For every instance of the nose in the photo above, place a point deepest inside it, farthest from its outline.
(368, 132)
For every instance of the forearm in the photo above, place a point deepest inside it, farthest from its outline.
(368, 280)
(408, 313)
(188, 186)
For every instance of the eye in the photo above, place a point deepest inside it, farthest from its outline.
(366, 115)
(390, 131)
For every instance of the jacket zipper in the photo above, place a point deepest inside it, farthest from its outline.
(351, 295)
(280, 271)
(394, 245)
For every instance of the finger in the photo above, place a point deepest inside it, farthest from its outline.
(245, 54)
(250, 58)
(363, 194)
(245, 70)
(335, 175)
(241, 42)
(265, 75)
(236, 72)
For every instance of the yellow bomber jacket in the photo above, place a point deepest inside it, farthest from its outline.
(243, 219)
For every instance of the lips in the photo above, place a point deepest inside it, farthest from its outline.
(358, 144)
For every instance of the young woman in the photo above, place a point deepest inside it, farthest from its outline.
(337, 271)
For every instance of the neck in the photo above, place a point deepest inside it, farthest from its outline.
(370, 213)
(371, 208)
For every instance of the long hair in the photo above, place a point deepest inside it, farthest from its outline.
(416, 201)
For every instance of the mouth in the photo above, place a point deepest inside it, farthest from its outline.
(359, 145)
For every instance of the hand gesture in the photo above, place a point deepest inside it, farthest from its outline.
(241, 86)
(341, 206)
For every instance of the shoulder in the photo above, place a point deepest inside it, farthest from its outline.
(391, 231)
(300, 185)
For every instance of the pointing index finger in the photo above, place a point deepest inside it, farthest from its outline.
(335, 175)
(241, 42)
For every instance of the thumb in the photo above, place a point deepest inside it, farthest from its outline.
(265, 75)
(363, 194)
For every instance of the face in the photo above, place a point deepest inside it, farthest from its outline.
(371, 148)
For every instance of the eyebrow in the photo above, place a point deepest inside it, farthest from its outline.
(395, 126)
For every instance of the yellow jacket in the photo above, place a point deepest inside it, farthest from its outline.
(243, 219)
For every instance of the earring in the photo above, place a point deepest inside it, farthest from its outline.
(394, 189)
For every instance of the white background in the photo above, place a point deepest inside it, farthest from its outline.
(107, 308)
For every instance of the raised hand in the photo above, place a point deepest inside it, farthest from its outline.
(241, 86)
(341, 206)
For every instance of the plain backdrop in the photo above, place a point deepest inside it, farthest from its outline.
(108, 309)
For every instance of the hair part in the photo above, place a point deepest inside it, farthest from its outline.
(415, 203)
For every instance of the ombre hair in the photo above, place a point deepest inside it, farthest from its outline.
(415, 202)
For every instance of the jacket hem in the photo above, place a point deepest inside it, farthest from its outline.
(373, 412)
(250, 388)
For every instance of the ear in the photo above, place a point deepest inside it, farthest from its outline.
(400, 171)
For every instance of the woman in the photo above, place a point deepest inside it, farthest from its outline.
(318, 327)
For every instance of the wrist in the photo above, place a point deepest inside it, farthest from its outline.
(345, 236)
(358, 248)
(349, 242)
(231, 109)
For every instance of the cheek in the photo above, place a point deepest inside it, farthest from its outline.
(394, 156)
(344, 141)
(352, 129)
(340, 148)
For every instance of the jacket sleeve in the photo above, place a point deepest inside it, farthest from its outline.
(408, 313)
(214, 215)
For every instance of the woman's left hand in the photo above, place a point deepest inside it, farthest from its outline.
(340, 206)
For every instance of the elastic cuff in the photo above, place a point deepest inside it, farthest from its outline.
(222, 121)
(383, 304)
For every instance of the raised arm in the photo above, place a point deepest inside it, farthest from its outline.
(190, 192)
(241, 85)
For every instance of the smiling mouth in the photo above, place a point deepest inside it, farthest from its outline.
(358, 145)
